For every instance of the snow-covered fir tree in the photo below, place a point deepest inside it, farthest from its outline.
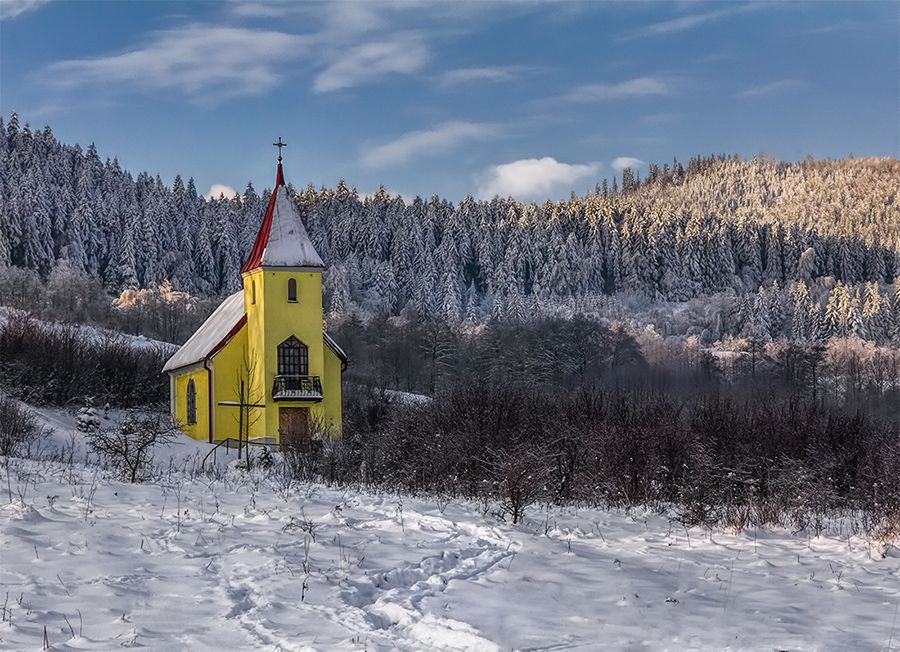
(719, 225)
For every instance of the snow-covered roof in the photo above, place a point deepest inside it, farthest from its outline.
(282, 240)
(334, 346)
(210, 337)
(218, 328)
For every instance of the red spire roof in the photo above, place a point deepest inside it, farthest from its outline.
(262, 237)
(282, 240)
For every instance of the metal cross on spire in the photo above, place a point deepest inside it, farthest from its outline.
(279, 145)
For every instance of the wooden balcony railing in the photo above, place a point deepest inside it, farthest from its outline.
(297, 388)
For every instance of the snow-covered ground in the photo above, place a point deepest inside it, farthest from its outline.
(251, 562)
(61, 426)
(408, 398)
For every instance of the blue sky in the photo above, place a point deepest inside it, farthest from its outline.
(530, 98)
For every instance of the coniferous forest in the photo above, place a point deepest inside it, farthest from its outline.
(804, 250)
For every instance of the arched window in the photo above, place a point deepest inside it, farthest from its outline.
(191, 402)
(252, 291)
(293, 358)
(292, 290)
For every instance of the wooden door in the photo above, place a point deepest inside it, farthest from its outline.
(293, 426)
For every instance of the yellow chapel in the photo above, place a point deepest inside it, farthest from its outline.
(262, 367)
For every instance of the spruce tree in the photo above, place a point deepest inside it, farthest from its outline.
(842, 313)
(893, 326)
(451, 297)
(803, 327)
(872, 320)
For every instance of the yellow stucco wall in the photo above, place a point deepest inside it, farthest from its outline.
(256, 345)
(228, 366)
(252, 353)
(199, 429)
(331, 393)
(271, 319)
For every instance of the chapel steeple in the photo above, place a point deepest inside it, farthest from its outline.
(282, 240)
(265, 349)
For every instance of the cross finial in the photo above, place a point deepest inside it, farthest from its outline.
(279, 145)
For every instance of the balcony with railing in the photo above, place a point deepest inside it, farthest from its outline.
(297, 388)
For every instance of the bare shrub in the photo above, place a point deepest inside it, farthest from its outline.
(300, 461)
(128, 449)
(19, 428)
(303, 459)
(736, 459)
(518, 477)
(57, 364)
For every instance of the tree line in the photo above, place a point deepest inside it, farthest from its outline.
(572, 353)
(719, 224)
(745, 459)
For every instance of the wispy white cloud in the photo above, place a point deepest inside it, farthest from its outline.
(405, 54)
(534, 178)
(258, 9)
(684, 23)
(655, 119)
(844, 27)
(349, 44)
(348, 17)
(460, 76)
(9, 9)
(218, 189)
(622, 162)
(639, 87)
(770, 88)
(354, 17)
(195, 60)
(413, 144)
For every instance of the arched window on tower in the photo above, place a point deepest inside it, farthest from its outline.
(293, 358)
(292, 290)
(191, 402)
(252, 291)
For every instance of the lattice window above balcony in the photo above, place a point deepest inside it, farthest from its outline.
(293, 358)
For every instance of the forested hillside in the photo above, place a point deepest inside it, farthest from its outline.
(775, 237)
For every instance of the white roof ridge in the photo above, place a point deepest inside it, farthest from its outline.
(210, 335)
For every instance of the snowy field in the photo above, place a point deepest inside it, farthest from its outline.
(250, 562)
